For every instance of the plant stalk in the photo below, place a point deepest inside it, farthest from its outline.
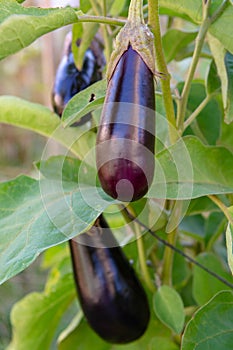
(187, 86)
(168, 258)
(102, 19)
(154, 24)
(142, 258)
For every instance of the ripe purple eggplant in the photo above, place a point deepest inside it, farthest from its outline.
(111, 296)
(126, 135)
(69, 80)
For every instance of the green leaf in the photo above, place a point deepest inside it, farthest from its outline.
(211, 326)
(84, 337)
(36, 215)
(206, 286)
(215, 222)
(213, 83)
(117, 7)
(222, 28)
(80, 104)
(175, 40)
(191, 10)
(188, 169)
(201, 205)
(224, 64)
(20, 26)
(40, 119)
(162, 344)
(36, 317)
(67, 169)
(193, 226)
(85, 5)
(169, 308)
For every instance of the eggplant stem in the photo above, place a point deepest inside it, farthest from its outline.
(135, 13)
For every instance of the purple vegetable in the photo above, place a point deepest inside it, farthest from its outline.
(126, 136)
(112, 298)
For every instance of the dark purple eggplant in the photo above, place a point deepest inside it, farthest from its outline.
(111, 296)
(69, 80)
(126, 135)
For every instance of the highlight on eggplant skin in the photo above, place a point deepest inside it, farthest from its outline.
(126, 135)
(111, 296)
(69, 80)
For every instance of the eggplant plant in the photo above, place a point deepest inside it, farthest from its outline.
(148, 169)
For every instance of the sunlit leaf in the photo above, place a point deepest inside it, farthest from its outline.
(20, 26)
(211, 326)
(175, 40)
(36, 215)
(36, 317)
(169, 308)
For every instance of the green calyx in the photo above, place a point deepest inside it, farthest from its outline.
(137, 34)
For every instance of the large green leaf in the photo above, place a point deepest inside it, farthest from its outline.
(206, 286)
(189, 169)
(169, 308)
(35, 117)
(20, 26)
(36, 317)
(36, 215)
(212, 325)
(191, 10)
(222, 28)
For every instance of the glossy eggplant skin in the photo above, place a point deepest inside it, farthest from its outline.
(69, 80)
(112, 298)
(126, 135)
